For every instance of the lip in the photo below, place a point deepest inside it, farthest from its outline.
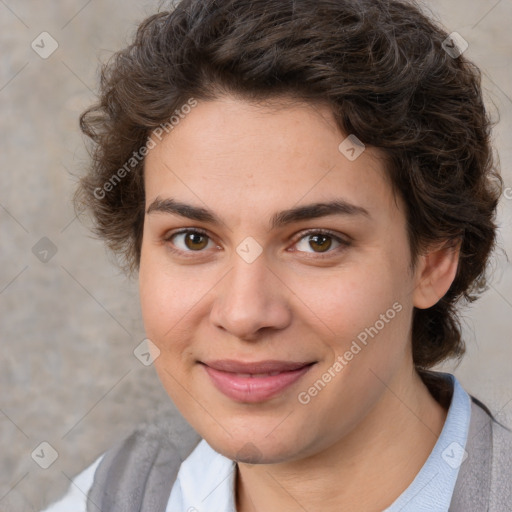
(267, 366)
(243, 382)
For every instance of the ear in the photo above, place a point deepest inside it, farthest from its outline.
(435, 272)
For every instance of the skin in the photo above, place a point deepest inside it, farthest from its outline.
(297, 301)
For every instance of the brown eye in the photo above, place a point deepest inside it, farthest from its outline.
(188, 241)
(322, 242)
(195, 241)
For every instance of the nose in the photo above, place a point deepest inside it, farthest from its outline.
(251, 300)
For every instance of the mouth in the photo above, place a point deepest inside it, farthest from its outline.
(253, 382)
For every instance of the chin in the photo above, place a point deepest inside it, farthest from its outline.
(249, 449)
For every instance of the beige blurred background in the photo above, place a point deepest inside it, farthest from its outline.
(69, 320)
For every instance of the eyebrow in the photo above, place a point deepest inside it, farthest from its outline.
(280, 219)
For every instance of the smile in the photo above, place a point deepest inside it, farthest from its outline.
(254, 382)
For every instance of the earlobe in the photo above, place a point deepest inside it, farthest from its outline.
(435, 273)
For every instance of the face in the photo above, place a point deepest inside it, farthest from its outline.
(278, 322)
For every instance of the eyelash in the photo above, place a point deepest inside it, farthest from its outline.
(343, 242)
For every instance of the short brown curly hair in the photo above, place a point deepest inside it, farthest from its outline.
(380, 65)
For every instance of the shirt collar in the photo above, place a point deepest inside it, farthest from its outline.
(433, 486)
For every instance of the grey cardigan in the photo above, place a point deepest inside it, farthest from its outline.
(137, 474)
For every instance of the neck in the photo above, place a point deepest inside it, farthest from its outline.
(366, 470)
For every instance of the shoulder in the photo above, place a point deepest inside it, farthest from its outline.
(138, 472)
(501, 475)
(491, 443)
(501, 433)
(75, 499)
(484, 479)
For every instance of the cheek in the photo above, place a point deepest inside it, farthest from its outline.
(365, 317)
(173, 304)
(161, 297)
(164, 309)
(348, 302)
(165, 293)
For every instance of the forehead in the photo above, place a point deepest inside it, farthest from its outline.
(245, 155)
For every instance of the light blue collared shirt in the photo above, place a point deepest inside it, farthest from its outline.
(206, 479)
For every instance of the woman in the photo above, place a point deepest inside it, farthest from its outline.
(306, 190)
